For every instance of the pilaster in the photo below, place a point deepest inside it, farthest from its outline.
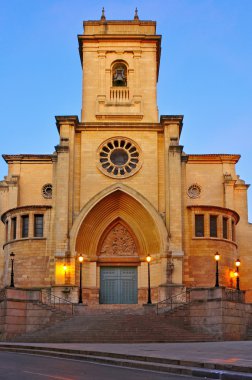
(64, 173)
(229, 184)
(173, 192)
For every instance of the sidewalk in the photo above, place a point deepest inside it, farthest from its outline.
(209, 358)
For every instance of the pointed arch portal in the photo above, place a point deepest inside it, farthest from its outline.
(115, 231)
(114, 207)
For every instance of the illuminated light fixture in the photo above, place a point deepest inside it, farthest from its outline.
(148, 259)
(217, 258)
(237, 275)
(80, 258)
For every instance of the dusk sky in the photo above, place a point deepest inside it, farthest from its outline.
(205, 72)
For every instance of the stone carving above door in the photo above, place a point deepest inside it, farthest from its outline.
(118, 242)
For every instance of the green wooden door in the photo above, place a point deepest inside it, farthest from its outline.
(118, 285)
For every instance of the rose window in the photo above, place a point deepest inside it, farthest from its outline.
(194, 191)
(47, 191)
(119, 157)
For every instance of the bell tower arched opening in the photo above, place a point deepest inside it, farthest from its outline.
(119, 74)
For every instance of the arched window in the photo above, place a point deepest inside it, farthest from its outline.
(119, 75)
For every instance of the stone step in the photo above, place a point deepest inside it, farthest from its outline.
(116, 325)
(249, 334)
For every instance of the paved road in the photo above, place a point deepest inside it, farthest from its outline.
(31, 367)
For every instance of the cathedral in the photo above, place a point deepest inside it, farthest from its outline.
(119, 188)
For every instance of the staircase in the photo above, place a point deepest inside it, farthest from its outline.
(111, 324)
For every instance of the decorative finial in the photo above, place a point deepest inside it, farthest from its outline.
(136, 14)
(103, 14)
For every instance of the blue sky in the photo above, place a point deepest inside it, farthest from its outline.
(205, 71)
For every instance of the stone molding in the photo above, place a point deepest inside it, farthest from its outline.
(161, 229)
(10, 158)
(66, 120)
(215, 158)
(210, 238)
(17, 210)
(23, 239)
(62, 148)
(219, 209)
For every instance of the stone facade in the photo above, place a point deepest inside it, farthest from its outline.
(120, 187)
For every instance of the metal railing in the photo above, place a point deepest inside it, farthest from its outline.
(173, 302)
(55, 302)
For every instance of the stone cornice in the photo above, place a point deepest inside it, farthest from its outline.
(119, 22)
(9, 158)
(172, 119)
(176, 148)
(222, 210)
(118, 36)
(16, 210)
(240, 186)
(66, 120)
(119, 126)
(62, 148)
(213, 158)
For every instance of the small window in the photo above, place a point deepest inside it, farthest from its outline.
(213, 225)
(233, 230)
(199, 225)
(14, 228)
(38, 225)
(225, 228)
(25, 226)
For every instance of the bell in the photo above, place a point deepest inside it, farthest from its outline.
(119, 77)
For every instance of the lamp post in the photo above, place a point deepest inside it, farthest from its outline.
(237, 264)
(148, 259)
(80, 258)
(12, 255)
(217, 258)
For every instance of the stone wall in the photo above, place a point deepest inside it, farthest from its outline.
(20, 313)
(215, 311)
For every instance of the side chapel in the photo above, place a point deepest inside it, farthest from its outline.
(120, 187)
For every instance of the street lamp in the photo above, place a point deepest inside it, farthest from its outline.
(148, 259)
(217, 258)
(237, 264)
(80, 258)
(12, 255)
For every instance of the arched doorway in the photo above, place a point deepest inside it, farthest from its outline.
(115, 231)
(118, 257)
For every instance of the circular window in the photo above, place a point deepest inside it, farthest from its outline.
(47, 191)
(194, 191)
(119, 157)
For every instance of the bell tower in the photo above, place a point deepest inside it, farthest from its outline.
(120, 61)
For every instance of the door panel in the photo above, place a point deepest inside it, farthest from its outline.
(118, 285)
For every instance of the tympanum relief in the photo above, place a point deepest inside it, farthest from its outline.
(118, 242)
